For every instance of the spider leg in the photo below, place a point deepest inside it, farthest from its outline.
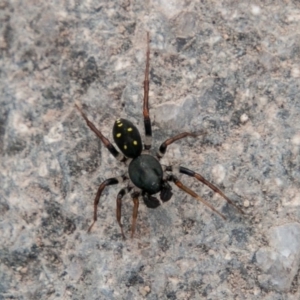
(135, 199)
(147, 120)
(206, 182)
(163, 147)
(121, 194)
(193, 194)
(104, 184)
(103, 139)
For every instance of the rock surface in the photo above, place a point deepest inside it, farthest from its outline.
(280, 261)
(228, 68)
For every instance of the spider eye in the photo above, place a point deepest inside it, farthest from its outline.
(127, 138)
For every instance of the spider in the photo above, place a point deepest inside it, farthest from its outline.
(146, 176)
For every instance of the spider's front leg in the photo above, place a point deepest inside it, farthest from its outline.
(199, 177)
(102, 186)
(135, 199)
(121, 194)
(192, 193)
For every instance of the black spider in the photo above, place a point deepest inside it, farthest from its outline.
(145, 173)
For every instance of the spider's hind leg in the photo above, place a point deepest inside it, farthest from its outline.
(146, 114)
(163, 147)
(103, 139)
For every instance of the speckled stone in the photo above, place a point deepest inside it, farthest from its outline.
(228, 69)
(280, 261)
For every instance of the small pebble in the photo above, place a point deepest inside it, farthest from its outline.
(246, 203)
(145, 290)
(244, 118)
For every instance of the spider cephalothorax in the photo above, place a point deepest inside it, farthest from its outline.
(146, 176)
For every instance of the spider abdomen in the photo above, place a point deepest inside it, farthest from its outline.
(128, 138)
(146, 173)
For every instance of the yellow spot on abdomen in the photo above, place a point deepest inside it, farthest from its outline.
(118, 135)
(135, 143)
(120, 124)
(125, 147)
(129, 129)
